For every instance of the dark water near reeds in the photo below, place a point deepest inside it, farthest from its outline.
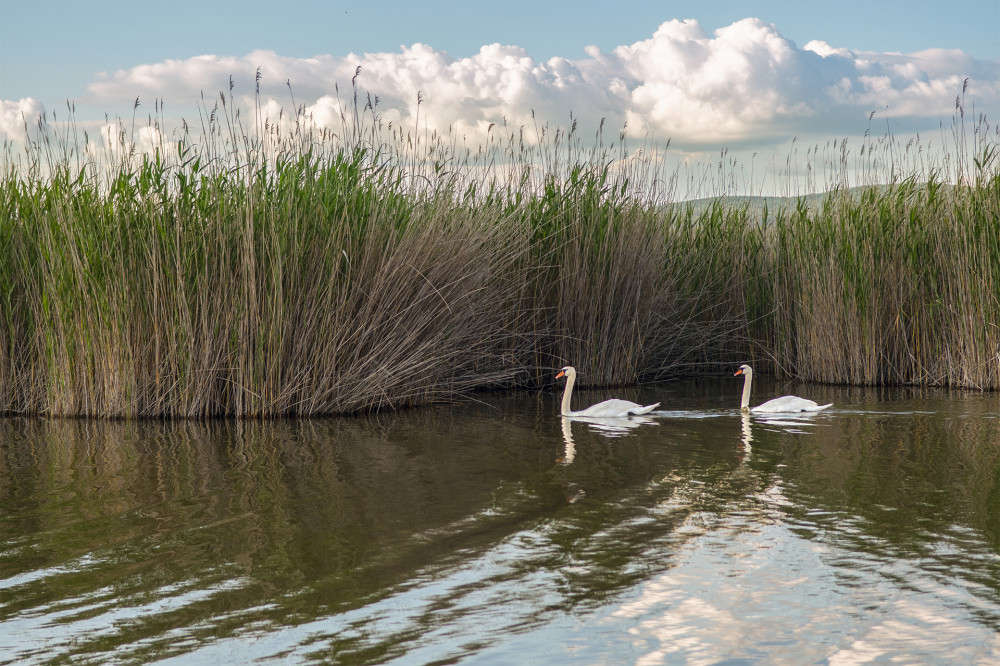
(494, 532)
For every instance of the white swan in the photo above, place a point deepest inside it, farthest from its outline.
(784, 404)
(613, 408)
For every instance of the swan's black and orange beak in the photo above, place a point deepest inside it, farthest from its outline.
(561, 374)
(738, 372)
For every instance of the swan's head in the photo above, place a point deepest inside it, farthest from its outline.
(567, 372)
(744, 370)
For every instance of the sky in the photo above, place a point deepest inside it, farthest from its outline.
(711, 76)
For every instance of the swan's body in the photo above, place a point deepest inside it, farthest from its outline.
(782, 405)
(613, 408)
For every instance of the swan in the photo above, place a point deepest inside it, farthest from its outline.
(784, 404)
(613, 408)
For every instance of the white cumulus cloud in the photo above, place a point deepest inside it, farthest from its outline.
(743, 85)
(18, 117)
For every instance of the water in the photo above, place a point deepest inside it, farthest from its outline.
(496, 532)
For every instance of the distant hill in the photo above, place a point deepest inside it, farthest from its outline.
(757, 204)
(754, 204)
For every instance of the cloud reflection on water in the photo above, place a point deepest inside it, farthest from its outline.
(782, 591)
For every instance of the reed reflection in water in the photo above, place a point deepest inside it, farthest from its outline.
(501, 531)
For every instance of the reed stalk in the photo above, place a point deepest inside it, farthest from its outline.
(291, 270)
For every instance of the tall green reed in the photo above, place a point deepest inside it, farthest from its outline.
(286, 269)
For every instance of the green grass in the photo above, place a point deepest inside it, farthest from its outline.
(271, 271)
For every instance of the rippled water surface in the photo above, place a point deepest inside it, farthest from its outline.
(497, 532)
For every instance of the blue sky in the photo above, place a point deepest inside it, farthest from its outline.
(51, 49)
(747, 76)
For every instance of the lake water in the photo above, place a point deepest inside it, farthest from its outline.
(495, 532)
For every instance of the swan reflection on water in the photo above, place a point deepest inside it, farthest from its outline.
(607, 426)
(747, 434)
(570, 452)
(793, 423)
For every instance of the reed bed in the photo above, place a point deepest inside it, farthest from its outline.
(286, 270)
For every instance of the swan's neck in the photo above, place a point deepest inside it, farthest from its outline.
(745, 402)
(567, 392)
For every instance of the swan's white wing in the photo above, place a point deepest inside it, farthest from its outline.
(788, 403)
(615, 408)
(614, 422)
